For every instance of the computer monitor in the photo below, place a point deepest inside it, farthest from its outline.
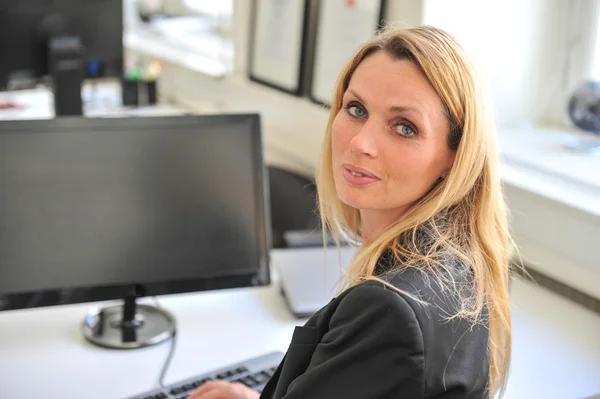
(119, 208)
(67, 40)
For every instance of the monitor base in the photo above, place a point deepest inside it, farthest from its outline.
(106, 327)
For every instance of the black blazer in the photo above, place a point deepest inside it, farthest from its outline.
(374, 342)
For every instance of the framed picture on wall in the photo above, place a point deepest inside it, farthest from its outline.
(278, 43)
(342, 27)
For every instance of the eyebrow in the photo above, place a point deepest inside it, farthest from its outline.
(394, 109)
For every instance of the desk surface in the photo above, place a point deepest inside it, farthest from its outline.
(44, 355)
(100, 99)
(556, 351)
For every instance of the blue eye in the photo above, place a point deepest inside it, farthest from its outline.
(406, 130)
(356, 111)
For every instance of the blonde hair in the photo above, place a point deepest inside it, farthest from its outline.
(474, 227)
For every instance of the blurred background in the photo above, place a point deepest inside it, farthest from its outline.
(279, 58)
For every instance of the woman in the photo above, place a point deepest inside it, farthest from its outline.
(408, 165)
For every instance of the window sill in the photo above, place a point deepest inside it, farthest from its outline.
(538, 161)
(553, 197)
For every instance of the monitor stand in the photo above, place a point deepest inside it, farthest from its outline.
(130, 325)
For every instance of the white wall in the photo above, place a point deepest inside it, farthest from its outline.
(404, 12)
(516, 44)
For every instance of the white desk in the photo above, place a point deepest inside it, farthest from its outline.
(556, 350)
(100, 100)
(44, 355)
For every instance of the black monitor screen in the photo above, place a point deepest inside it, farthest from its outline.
(112, 202)
(26, 27)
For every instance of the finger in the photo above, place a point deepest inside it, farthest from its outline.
(243, 391)
(198, 392)
(206, 388)
(218, 394)
(202, 390)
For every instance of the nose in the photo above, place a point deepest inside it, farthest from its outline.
(364, 142)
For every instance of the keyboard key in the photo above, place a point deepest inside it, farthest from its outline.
(194, 384)
(260, 378)
(259, 388)
(238, 373)
(187, 387)
(231, 373)
(200, 382)
(248, 381)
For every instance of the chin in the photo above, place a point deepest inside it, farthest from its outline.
(353, 197)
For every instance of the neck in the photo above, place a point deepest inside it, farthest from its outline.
(374, 223)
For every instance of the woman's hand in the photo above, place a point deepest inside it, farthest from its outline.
(223, 390)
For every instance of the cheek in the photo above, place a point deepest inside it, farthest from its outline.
(413, 172)
(341, 135)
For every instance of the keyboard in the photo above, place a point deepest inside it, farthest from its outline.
(254, 373)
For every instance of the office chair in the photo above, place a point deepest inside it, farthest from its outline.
(293, 204)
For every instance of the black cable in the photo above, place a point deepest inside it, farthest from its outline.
(165, 367)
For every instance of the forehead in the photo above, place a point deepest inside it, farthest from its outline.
(383, 79)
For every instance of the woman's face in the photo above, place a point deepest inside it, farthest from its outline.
(389, 139)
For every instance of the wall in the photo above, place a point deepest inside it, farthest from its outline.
(516, 45)
(404, 12)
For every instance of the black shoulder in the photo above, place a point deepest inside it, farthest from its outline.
(372, 347)
(373, 297)
(456, 348)
(444, 287)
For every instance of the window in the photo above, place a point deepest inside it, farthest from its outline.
(193, 32)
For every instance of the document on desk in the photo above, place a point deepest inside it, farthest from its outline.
(311, 277)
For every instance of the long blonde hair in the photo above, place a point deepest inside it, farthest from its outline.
(475, 227)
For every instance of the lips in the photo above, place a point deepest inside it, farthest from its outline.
(358, 176)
